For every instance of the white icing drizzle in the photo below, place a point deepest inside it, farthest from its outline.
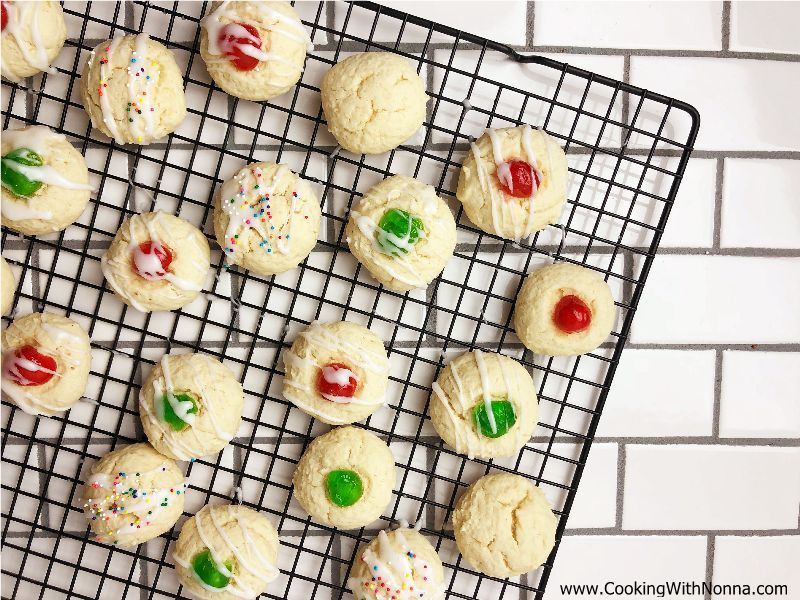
(19, 13)
(46, 174)
(176, 446)
(106, 68)
(19, 211)
(316, 334)
(35, 137)
(486, 387)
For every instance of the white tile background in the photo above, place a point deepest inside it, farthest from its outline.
(697, 465)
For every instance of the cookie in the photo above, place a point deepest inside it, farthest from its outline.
(156, 261)
(45, 181)
(133, 495)
(402, 232)
(266, 218)
(33, 35)
(564, 310)
(254, 50)
(132, 90)
(503, 525)
(46, 360)
(373, 101)
(9, 284)
(336, 372)
(226, 552)
(345, 478)
(190, 405)
(484, 404)
(399, 564)
(513, 182)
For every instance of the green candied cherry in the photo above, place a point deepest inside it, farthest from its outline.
(14, 181)
(504, 418)
(207, 571)
(398, 231)
(172, 419)
(344, 487)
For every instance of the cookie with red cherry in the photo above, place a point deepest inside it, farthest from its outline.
(564, 310)
(46, 360)
(254, 50)
(513, 181)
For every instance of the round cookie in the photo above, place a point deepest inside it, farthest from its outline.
(503, 525)
(345, 478)
(406, 563)
(266, 218)
(9, 284)
(190, 405)
(46, 360)
(33, 35)
(133, 495)
(402, 232)
(227, 552)
(336, 372)
(484, 404)
(45, 181)
(254, 50)
(132, 90)
(156, 261)
(564, 310)
(373, 101)
(501, 191)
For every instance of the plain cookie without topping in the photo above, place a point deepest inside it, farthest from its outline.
(227, 552)
(133, 495)
(33, 34)
(402, 232)
(132, 90)
(190, 406)
(504, 525)
(564, 310)
(373, 101)
(345, 478)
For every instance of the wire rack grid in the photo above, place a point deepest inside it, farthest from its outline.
(627, 151)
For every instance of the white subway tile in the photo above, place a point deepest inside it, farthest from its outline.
(596, 500)
(508, 22)
(598, 559)
(759, 394)
(765, 26)
(691, 222)
(676, 487)
(647, 399)
(719, 299)
(759, 203)
(735, 563)
(662, 25)
(758, 98)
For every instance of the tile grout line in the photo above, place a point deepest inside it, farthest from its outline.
(621, 459)
(710, 548)
(530, 20)
(726, 26)
(717, 394)
(719, 184)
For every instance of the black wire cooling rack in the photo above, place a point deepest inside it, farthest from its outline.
(627, 151)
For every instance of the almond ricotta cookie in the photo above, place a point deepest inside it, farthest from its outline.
(513, 182)
(33, 35)
(373, 101)
(564, 310)
(227, 552)
(157, 261)
(503, 525)
(9, 284)
(46, 360)
(254, 50)
(345, 478)
(399, 564)
(266, 218)
(132, 90)
(484, 404)
(45, 181)
(190, 405)
(402, 232)
(336, 372)
(133, 495)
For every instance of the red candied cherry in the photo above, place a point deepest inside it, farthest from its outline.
(151, 260)
(335, 379)
(522, 178)
(233, 38)
(572, 314)
(5, 16)
(27, 366)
